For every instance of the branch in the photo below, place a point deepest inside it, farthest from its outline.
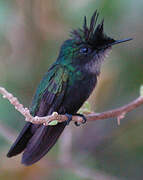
(53, 119)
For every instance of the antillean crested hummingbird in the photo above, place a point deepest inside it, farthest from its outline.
(64, 88)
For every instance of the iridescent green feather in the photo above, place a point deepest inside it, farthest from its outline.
(52, 82)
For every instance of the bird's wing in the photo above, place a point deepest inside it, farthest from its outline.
(50, 91)
(37, 140)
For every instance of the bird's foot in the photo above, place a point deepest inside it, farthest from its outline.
(69, 116)
(83, 119)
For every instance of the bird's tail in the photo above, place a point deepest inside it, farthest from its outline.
(38, 144)
(20, 144)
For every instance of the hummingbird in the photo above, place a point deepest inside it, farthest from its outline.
(64, 88)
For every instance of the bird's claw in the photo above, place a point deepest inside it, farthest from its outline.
(83, 119)
(69, 116)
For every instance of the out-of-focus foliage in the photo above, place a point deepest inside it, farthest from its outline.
(31, 33)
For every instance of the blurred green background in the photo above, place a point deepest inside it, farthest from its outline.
(31, 33)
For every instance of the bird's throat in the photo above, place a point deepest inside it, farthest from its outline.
(94, 65)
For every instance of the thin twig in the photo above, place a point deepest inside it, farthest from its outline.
(118, 113)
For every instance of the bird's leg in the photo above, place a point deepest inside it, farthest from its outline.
(69, 116)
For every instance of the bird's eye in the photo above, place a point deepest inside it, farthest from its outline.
(84, 50)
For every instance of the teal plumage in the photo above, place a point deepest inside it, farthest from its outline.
(53, 83)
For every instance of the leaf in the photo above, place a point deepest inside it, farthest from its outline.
(86, 108)
(53, 123)
(141, 90)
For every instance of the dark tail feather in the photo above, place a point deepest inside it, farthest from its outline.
(41, 142)
(21, 142)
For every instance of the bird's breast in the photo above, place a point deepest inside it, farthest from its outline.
(78, 92)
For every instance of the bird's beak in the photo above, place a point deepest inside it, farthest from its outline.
(114, 42)
(120, 41)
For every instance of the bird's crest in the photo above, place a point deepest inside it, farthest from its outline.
(93, 35)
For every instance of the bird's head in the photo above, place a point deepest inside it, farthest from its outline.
(88, 46)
